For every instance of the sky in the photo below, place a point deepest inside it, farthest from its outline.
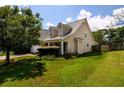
(98, 16)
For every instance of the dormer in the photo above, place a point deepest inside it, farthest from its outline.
(53, 31)
(64, 29)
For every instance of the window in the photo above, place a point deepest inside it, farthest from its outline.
(87, 44)
(85, 34)
(46, 44)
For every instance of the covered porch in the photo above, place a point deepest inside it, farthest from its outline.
(57, 43)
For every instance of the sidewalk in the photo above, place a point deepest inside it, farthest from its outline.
(15, 56)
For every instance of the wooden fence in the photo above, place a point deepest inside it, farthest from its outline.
(108, 47)
(117, 46)
(105, 47)
(96, 48)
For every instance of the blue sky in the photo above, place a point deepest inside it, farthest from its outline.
(55, 13)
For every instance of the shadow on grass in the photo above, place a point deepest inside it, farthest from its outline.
(22, 69)
(89, 54)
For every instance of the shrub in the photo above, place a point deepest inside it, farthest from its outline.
(48, 51)
(41, 66)
(48, 57)
(60, 58)
(68, 56)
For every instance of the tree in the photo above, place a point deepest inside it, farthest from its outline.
(112, 35)
(19, 29)
(121, 33)
(119, 15)
(116, 35)
(98, 36)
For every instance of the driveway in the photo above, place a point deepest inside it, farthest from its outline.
(15, 56)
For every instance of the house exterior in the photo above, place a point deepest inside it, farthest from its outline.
(72, 38)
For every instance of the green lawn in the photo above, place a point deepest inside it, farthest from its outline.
(3, 53)
(106, 69)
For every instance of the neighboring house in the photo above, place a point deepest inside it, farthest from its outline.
(44, 34)
(72, 38)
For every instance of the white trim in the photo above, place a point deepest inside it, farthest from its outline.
(68, 47)
(85, 34)
(48, 43)
(78, 45)
(62, 48)
(62, 30)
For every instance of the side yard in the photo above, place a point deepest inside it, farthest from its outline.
(106, 69)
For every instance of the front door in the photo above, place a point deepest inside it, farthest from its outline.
(76, 46)
(65, 47)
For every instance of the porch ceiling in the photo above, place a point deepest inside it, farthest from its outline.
(55, 39)
(45, 47)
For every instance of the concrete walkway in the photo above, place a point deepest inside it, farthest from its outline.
(15, 56)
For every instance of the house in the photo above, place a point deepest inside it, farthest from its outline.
(72, 38)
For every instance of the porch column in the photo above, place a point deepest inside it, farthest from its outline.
(62, 48)
(48, 43)
(78, 45)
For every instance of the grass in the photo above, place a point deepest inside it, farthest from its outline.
(4, 54)
(91, 69)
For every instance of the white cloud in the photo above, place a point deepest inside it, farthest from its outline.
(84, 14)
(118, 13)
(63, 22)
(49, 24)
(69, 19)
(101, 22)
(98, 21)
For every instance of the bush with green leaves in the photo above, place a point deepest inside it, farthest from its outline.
(48, 51)
(48, 57)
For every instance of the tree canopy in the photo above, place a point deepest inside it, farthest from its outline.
(109, 36)
(19, 28)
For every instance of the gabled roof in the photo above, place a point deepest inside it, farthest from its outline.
(74, 25)
(54, 28)
(64, 25)
(45, 34)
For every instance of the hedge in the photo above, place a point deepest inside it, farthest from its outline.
(49, 51)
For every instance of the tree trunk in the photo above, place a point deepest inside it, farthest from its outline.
(7, 56)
